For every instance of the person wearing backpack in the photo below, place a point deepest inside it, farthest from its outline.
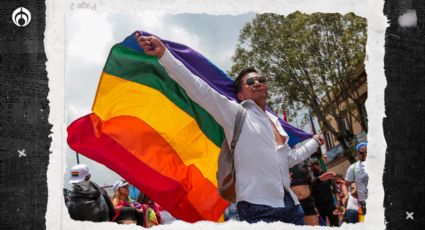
(87, 201)
(261, 156)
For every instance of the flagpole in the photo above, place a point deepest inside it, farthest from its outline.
(78, 158)
(313, 129)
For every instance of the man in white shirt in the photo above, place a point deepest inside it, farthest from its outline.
(262, 156)
(357, 174)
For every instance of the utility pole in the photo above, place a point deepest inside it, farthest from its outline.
(319, 150)
(296, 120)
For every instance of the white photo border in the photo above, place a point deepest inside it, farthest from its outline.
(55, 39)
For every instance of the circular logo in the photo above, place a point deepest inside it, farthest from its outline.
(21, 17)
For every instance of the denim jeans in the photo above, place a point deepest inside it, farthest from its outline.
(352, 216)
(253, 213)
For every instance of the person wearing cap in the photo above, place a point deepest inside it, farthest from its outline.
(357, 174)
(87, 200)
(127, 210)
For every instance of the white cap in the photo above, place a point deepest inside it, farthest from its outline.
(79, 173)
(119, 184)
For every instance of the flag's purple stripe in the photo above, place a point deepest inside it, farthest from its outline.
(216, 78)
(201, 67)
(295, 135)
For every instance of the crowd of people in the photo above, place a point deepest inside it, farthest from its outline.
(335, 199)
(327, 198)
(88, 201)
(274, 182)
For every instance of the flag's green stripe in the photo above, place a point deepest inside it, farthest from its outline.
(144, 69)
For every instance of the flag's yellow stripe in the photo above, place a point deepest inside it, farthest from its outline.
(117, 96)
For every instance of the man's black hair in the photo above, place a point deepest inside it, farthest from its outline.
(314, 161)
(238, 80)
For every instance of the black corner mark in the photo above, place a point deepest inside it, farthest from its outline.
(24, 127)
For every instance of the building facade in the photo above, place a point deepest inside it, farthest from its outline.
(351, 119)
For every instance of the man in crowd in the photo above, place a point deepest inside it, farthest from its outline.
(357, 174)
(262, 156)
(322, 191)
(87, 200)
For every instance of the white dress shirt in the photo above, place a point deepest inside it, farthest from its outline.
(262, 167)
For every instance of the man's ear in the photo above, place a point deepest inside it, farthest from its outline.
(240, 96)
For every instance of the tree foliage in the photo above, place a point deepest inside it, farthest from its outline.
(309, 59)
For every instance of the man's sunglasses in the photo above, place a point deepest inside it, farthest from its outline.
(250, 81)
(362, 152)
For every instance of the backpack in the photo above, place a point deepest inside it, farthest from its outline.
(87, 203)
(226, 167)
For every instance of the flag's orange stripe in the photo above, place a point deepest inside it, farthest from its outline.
(145, 144)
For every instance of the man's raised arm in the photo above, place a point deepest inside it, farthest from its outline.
(221, 108)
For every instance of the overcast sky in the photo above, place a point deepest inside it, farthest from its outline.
(90, 36)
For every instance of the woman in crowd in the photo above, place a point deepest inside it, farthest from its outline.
(300, 185)
(151, 211)
(302, 181)
(352, 213)
(341, 196)
(127, 210)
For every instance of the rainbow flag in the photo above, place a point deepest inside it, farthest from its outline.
(146, 128)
